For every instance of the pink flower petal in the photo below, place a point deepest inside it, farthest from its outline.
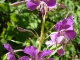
(32, 5)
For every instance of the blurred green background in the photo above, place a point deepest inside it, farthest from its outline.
(12, 17)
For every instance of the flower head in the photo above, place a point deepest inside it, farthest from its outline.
(65, 31)
(65, 24)
(33, 51)
(65, 34)
(55, 39)
(65, 28)
(33, 4)
(11, 52)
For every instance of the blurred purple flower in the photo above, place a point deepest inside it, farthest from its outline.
(11, 53)
(55, 39)
(33, 51)
(61, 51)
(65, 24)
(33, 4)
(65, 34)
(66, 29)
(61, 37)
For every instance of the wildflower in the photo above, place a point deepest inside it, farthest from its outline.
(66, 23)
(33, 4)
(33, 51)
(61, 51)
(66, 29)
(55, 39)
(11, 52)
(65, 34)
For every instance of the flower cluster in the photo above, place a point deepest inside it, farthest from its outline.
(65, 33)
(30, 50)
(33, 51)
(33, 4)
(43, 5)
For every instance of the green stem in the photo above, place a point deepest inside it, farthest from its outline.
(42, 33)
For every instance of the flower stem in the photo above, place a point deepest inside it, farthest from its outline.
(42, 33)
(19, 50)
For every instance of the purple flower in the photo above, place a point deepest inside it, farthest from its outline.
(33, 4)
(65, 28)
(33, 51)
(65, 24)
(61, 51)
(11, 52)
(65, 31)
(65, 34)
(55, 39)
